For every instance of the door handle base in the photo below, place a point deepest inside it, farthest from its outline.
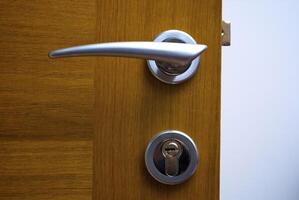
(172, 73)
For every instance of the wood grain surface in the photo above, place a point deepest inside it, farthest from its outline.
(132, 106)
(46, 106)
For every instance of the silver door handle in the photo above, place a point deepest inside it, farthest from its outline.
(174, 53)
(172, 58)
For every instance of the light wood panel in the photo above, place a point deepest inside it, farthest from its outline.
(46, 106)
(132, 106)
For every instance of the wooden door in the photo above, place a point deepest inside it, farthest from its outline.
(46, 106)
(49, 109)
(131, 106)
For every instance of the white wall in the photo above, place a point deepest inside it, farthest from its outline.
(260, 101)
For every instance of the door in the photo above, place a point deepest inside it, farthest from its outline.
(132, 106)
(51, 107)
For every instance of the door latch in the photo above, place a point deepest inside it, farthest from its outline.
(226, 33)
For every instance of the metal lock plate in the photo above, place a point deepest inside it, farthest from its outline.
(171, 157)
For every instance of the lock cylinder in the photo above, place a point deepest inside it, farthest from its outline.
(171, 157)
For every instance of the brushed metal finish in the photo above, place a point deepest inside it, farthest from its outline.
(168, 73)
(153, 156)
(173, 57)
(174, 53)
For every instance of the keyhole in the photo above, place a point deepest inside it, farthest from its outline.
(172, 150)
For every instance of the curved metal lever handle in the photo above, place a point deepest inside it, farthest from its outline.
(169, 52)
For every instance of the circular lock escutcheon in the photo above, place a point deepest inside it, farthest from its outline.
(179, 146)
